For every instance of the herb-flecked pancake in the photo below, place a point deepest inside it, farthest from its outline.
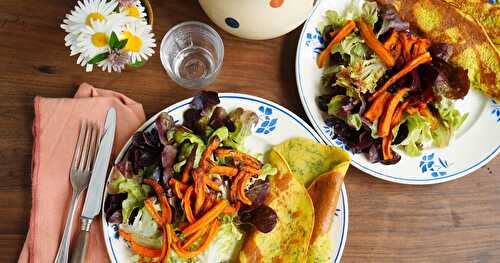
(309, 159)
(325, 193)
(486, 13)
(474, 51)
(289, 240)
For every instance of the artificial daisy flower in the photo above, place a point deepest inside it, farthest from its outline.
(133, 8)
(94, 39)
(140, 41)
(87, 11)
(116, 61)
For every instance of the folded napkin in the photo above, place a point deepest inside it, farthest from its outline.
(55, 131)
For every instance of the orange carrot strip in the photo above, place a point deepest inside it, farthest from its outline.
(386, 147)
(223, 170)
(241, 189)
(398, 113)
(424, 58)
(199, 189)
(232, 209)
(342, 33)
(214, 144)
(234, 185)
(148, 203)
(412, 110)
(391, 41)
(377, 107)
(145, 251)
(420, 47)
(384, 125)
(206, 219)
(193, 238)
(210, 183)
(209, 201)
(372, 42)
(179, 187)
(182, 186)
(406, 45)
(125, 235)
(208, 239)
(242, 157)
(189, 164)
(187, 205)
(165, 243)
(166, 212)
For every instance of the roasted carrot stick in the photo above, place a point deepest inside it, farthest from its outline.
(145, 251)
(398, 114)
(186, 200)
(199, 189)
(209, 201)
(214, 144)
(342, 33)
(420, 47)
(384, 125)
(166, 212)
(242, 157)
(424, 58)
(372, 42)
(386, 147)
(148, 203)
(391, 41)
(207, 218)
(125, 235)
(205, 243)
(223, 170)
(189, 164)
(241, 189)
(193, 238)
(233, 194)
(232, 209)
(210, 183)
(165, 245)
(377, 107)
(407, 42)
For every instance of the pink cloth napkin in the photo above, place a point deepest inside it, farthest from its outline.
(55, 131)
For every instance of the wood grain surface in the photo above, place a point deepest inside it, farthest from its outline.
(457, 221)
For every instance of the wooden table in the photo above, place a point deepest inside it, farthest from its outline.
(457, 221)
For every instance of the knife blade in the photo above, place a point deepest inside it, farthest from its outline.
(93, 200)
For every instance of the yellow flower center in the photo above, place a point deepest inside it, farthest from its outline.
(134, 43)
(93, 16)
(132, 11)
(99, 39)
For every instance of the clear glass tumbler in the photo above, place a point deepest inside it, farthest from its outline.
(192, 54)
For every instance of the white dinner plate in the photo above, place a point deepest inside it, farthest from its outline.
(475, 143)
(276, 124)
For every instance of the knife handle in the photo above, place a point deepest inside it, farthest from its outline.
(80, 249)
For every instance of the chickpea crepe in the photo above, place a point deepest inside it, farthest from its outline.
(474, 51)
(303, 232)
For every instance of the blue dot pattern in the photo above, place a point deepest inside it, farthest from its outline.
(231, 22)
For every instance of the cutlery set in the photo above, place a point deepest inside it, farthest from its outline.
(88, 169)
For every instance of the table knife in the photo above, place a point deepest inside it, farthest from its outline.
(93, 200)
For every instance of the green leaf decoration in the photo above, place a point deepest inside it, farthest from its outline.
(113, 40)
(137, 64)
(98, 58)
(121, 44)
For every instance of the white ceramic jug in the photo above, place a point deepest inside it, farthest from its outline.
(257, 19)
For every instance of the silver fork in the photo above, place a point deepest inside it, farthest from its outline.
(83, 160)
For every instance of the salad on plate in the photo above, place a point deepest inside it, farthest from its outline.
(193, 192)
(385, 87)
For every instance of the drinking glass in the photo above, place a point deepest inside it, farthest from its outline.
(192, 53)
